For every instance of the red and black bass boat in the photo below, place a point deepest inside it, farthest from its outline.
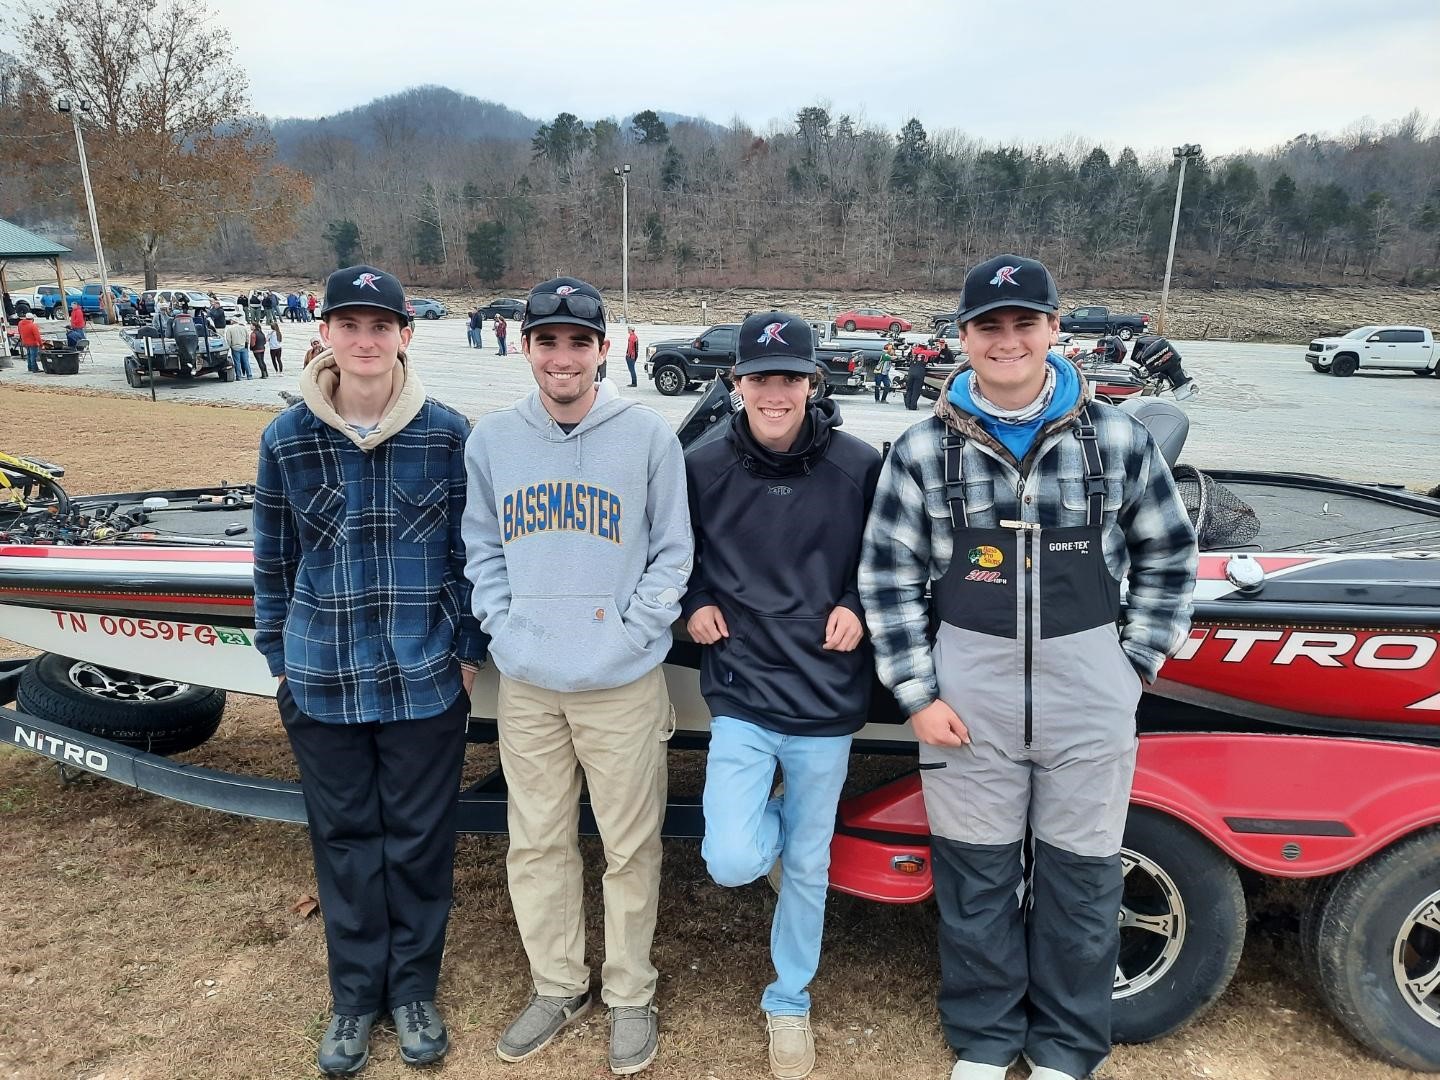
(1296, 733)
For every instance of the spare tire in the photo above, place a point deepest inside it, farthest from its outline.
(162, 716)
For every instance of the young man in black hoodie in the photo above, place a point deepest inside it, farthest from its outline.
(778, 508)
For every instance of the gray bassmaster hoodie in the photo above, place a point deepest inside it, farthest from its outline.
(578, 545)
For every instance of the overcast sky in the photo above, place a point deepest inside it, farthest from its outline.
(1227, 74)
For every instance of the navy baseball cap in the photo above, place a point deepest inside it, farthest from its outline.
(364, 286)
(1008, 281)
(775, 341)
(564, 300)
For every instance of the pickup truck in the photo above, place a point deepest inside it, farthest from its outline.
(126, 301)
(686, 363)
(46, 300)
(1397, 348)
(1101, 320)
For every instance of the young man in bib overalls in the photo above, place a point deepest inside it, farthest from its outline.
(1022, 504)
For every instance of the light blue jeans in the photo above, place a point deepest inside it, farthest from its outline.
(746, 831)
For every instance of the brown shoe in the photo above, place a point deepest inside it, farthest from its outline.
(792, 1046)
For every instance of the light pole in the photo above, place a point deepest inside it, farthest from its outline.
(1183, 154)
(107, 301)
(623, 172)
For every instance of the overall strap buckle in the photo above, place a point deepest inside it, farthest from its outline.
(953, 446)
(1094, 467)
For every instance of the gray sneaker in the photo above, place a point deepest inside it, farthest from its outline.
(345, 1047)
(634, 1038)
(541, 1021)
(422, 1034)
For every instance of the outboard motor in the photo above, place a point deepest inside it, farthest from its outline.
(1110, 349)
(1160, 359)
(187, 339)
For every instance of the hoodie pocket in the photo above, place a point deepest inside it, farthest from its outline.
(320, 516)
(421, 509)
(778, 666)
(565, 642)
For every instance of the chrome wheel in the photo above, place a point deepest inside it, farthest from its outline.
(115, 685)
(1416, 959)
(1152, 925)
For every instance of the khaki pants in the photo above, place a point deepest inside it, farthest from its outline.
(618, 738)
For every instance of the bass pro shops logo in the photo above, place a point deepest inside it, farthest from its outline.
(986, 558)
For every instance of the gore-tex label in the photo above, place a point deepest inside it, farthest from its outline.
(1071, 545)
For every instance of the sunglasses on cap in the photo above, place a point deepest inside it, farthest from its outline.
(577, 304)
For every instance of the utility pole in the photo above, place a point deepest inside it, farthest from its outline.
(107, 299)
(1183, 154)
(623, 172)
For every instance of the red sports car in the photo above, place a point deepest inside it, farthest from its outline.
(866, 318)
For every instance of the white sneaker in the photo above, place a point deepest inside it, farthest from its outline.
(975, 1070)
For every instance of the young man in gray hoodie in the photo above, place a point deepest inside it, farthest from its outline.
(577, 537)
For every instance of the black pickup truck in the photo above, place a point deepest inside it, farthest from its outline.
(1101, 320)
(686, 363)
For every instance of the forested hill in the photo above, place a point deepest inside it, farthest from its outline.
(824, 201)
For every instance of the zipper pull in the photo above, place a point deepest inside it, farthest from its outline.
(1031, 525)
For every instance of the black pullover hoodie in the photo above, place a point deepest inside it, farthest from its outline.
(777, 548)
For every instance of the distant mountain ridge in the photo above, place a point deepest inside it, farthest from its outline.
(426, 112)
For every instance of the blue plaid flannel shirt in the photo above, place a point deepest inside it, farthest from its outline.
(361, 599)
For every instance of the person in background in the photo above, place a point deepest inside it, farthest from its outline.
(632, 353)
(77, 316)
(883, 367)
(316, 348)
(310, 304)
(31, 340)
(237, 338)
(475, 328)
(257, 348)
(501, 327)
(272, 342)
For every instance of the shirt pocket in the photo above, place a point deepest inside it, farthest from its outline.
(979, 501)
(320, 516)
(421, 509)
(1072, 495)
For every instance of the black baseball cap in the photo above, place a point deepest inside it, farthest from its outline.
(364, 286)
(1008, 281)
(775, 341)
(564, 300)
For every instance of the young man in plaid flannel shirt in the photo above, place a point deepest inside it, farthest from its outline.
(1021, 505)
(362, 611)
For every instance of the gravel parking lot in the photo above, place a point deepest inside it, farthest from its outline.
(1260, 406)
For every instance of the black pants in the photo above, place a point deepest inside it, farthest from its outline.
(381, 802)
(914, 382)
(1038, 980)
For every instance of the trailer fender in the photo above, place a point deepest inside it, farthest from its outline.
(1291, 805)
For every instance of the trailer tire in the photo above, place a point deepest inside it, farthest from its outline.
(159, 715)
(1186, 910)
(1378, 950)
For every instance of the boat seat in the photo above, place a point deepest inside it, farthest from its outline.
(1167, 423)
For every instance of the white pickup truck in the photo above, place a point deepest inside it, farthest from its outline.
(1398, 348)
